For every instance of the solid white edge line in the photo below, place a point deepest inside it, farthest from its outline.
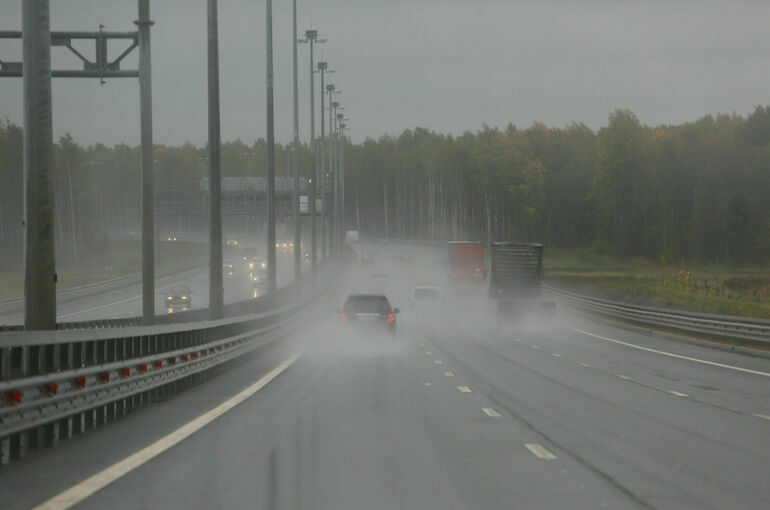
(95, 483)
(540, 451)
(449, 374)
(763, 416)
(664, 353)
(677, 393)
(489, 411)
(464, 389)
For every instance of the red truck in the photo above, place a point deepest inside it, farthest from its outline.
(466, 261)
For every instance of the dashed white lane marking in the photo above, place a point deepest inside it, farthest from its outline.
(540, 451)
(449, 374)
(422, 345)
(517, 340)
(585, 365)
(535, 346)
(763, 416)
(426, 384)
(438, 362)
(624, 377)
(95, 483)
(678, 394)
(679, 356)
(489, 411)
(464, 389)
(428, 353)
(556, 355)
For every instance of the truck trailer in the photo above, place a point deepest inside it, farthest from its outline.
(515, 279)
(466, 261)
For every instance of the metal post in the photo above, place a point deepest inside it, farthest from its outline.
(311, 35)
(295, 158)
(39, 255)
(342, 182)
(330, 88)
(322, 66)
(271, 269)
(216, 292)
(148, 184)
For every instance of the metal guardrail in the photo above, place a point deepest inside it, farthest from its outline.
(745, 330)
(56, 384)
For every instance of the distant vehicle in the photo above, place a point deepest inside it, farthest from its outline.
(248, 254)
(351, 236)
(231, 242)
(515, 278)
(308, 257)
(171, 238)
(228, 270)
(257, 264)
(369, 311)
(466, 261)
(424, 296)
(259, 279)
(178, 298)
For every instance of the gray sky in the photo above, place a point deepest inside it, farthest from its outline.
(448, 65)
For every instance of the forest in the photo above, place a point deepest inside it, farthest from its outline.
(698, 191)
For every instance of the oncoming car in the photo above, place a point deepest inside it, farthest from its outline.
(372, 311)
(178, 298)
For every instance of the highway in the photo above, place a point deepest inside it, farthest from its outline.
(125, 300)
(454, 413)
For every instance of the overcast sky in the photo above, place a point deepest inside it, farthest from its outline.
(448, 65)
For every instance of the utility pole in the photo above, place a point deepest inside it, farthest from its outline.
(342, 177)
(330, 89)
(216, 291)
(271, 269)
(323, 68)
(295, 157)
(311, 36)
(39, 256)
(336, 178)
(148, 178)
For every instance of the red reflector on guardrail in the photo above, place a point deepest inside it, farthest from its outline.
(172, 361)
(125, 372)
(143, 367)
(14, 397)
(80, 382)
(159, 364)
(51, 389)
(185, 357)
(105, 377)
(195, 355)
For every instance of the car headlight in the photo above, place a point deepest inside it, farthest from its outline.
(184, 298)
(168, 298)
(264, 265)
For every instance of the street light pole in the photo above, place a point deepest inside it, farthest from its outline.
(342, 176)
(330, 89)
(297, 223)
(323, 68)
(39, 256)
(311, 37)
(216, 291)
(271, 269)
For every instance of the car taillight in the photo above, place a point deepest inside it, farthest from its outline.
(391, 318)
(343, 317)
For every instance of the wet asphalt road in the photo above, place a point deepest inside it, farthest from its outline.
(452, 414)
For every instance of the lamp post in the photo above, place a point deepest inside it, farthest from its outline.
(271, 269)
(323, 68)
(311, 37)
(342, 125)
(330, 89)
(297, 222)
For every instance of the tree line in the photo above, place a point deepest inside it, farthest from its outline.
(698, 191)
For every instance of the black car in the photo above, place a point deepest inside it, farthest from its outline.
(369, 310)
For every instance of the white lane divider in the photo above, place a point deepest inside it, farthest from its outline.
(672, 355)
(438, 362)
(556, 355)
(678, 394)
(426, 384)
(763, 416)
(449, 374)
(540, 451)
(464, 389)
(535, 346)
(97, 482)
(624, 377)
(585, 365)
(517, 340)
(428, 353)
(489, 411)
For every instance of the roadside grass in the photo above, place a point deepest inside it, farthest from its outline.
(120, 258)
(721, 289)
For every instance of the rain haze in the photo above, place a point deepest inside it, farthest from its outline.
(449, 66)
(523, 260)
